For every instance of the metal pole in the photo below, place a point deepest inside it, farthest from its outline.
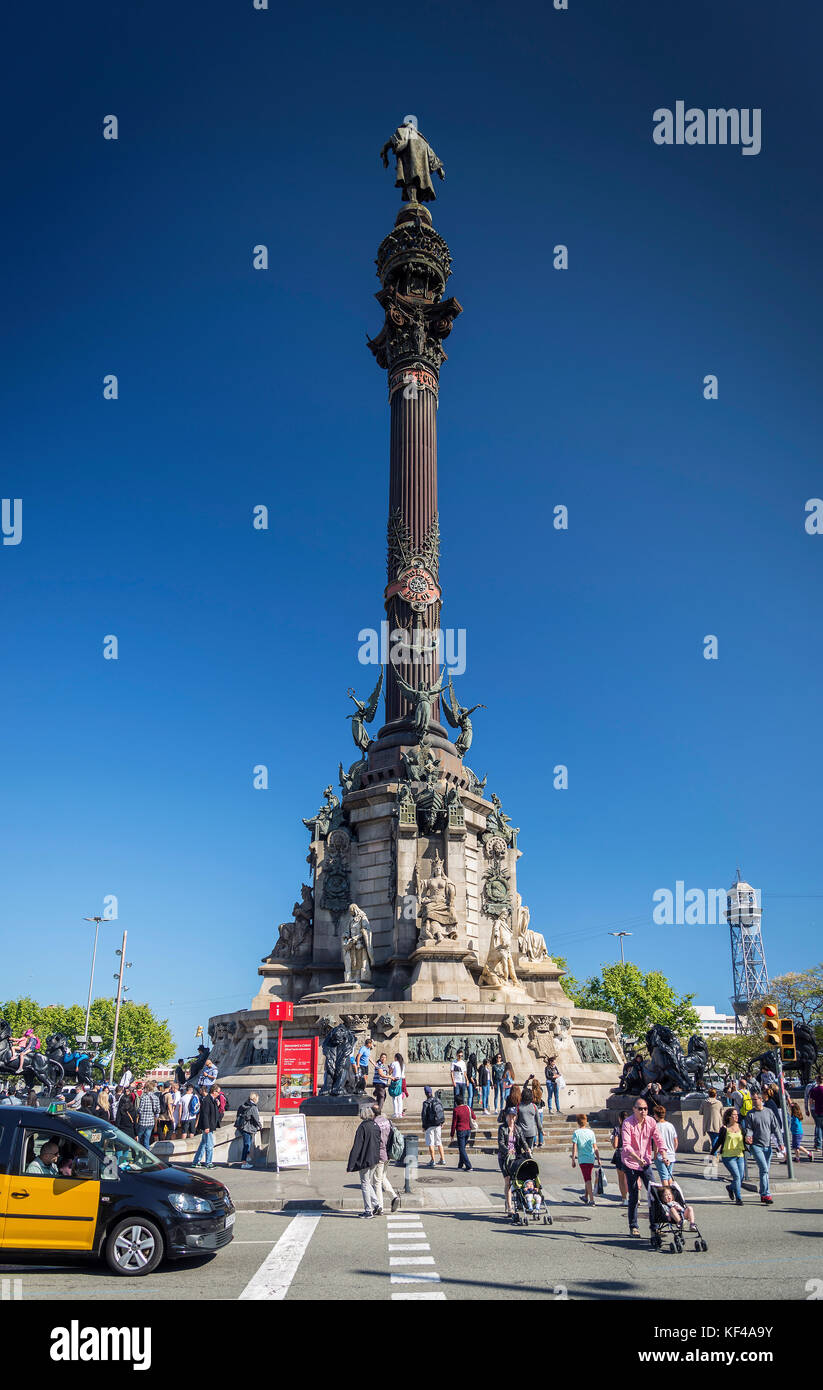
(96, 921)
(117, 1006)
(787, 1135)
(622, 955)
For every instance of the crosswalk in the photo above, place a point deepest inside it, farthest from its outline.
(409, 1251)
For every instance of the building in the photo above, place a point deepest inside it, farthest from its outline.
(712, 1023)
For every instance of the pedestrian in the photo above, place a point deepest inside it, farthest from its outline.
(796, 1129)
(180, 1073)
(527, 1116)
(165, 1120)
(508, 1082)
(397, 1072)
(364, 1157)
(510, 1146)
(207, 1121)
(498, 1068)
(585, 1152)
(462, 1118)
(247, 1123)
(364, 1058)
(192, 1115)
(758, 1127)
(103, 1104)
(552, 1076)
(380, 1179)
(177, 1108)
(431, 1119)
(207, 1074)
(128, 1118)
(771, 1101)
(668, 1133)
(730, 1142)
(471, 1078)
(127, 1079)
(459, 1081)
(616, 1139)
(115, 1103)
(484, 1076)
(149, 1109)
(381, 1072)
(711, 1112)
(222, 1102)
(639, 1142)
(539, 1105)
(814, 1108)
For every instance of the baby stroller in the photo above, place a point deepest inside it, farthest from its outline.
(527, 1202)
(661, 1225)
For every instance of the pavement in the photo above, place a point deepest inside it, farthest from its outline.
(299, 1237)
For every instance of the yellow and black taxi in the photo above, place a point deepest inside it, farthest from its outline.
(73, 1184)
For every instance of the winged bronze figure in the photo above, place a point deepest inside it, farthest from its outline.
(364, 714)
(459, 716)
(422, 699)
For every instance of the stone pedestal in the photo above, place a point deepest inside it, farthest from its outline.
(439, 973)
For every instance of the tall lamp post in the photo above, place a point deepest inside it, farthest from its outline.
(96, 921)
(121, 990)
(621, 934)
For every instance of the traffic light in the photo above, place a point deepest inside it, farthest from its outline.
(771, 1025)
(787, 1043)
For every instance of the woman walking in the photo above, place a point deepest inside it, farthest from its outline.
(585, 1152)
(510, 1146)
(485, 1078)
(616, 1138)
(537, 1097)
(364, 1158)
(731, 1145)
(796, 1127)
(471, 1078)
(498, 1068)
(398, 1071)
(527, 1117)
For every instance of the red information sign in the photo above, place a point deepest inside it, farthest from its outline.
(282, 1011)
(296, 1070)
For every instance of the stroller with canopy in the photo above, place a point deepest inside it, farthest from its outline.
(528, 1198)
(662, 1222)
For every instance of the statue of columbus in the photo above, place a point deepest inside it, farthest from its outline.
(416, 162)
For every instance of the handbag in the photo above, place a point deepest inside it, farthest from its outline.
(473, 1125)
(601, 1182)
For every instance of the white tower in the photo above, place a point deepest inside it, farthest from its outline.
(750, 979)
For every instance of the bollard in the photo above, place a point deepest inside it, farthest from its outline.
(410, 1160)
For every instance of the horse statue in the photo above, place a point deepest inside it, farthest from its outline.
(76, 1065)
(37, 1069)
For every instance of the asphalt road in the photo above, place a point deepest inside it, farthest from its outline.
(754, 1253)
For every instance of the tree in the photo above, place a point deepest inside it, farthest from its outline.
(143, 1041)
(732, 1052)
(569, 983)
(638, 1000)
(799, 995)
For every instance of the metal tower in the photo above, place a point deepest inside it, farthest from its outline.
(750, 978)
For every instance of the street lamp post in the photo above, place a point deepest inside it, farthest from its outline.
(121, 990)
(96, 921)
(621, 934)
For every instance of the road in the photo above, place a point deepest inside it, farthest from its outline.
(754, 1253)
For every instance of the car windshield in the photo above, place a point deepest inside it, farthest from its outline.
(118, 1148)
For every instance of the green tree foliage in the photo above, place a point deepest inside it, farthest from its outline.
(732, 1052)
(143, 1041)
(799, 995)
(570, 984)
(638, 1000)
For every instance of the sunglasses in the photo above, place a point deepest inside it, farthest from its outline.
(643, 1108)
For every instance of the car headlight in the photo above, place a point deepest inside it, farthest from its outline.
(181, 1201)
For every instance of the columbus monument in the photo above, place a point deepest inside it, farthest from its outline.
(411, 929)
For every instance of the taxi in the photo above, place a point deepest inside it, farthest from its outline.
(73, 1184)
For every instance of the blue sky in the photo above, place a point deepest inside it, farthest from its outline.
(579, 387)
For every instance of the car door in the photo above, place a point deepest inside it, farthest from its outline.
(51, 1213)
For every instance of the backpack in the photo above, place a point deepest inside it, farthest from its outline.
(396, 1146)
(747, 1103)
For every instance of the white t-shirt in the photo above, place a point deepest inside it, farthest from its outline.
(396, 1071)
(458, 1073)
(668, 1134)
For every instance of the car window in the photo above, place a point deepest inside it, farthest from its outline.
(121, 1154)
(50, 1153)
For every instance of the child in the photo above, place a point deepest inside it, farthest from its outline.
(584, 1152)
(531, 1196)
(796, 1127)
(676, 1210)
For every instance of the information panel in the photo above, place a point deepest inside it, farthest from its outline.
(291, 1141)
(295, 1069)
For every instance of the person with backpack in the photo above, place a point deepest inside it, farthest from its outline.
(247, 1123)
(432, 1118)
(364, 1158)
(380, 1181)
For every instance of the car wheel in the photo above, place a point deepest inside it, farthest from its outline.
(134, 1247)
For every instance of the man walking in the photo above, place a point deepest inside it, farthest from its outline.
(462, 1117)
(640, 1141)
(459, 1081)
(814, 1108)
(552, 1085)
(147, 1112)
(758, 1127)
(432, 1118)
(208, 1120)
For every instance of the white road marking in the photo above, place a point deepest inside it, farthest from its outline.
(273, 1278)
(411, 1260)
(421, 1246)
(413, 1278)
(414, 1234)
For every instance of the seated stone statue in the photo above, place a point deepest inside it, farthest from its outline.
(437, 914)
(529, 943)
(499, 969)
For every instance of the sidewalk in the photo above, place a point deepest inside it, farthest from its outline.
(327, 1186)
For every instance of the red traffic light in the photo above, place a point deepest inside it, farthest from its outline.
(769, 1011)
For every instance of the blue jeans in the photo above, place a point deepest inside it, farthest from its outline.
(462, 1137)
(498, 1095)
(470, 1098)
(484, 1093)
(205, 1147)
(736, 1169)
(247, 1138)
(539, 1124)
(144, 1135)
(634, 1176)
(818, 1131)
(552, 1089)
(459, 1095)
(762, 1158)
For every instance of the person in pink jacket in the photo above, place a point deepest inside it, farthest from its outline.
(640, 1141)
